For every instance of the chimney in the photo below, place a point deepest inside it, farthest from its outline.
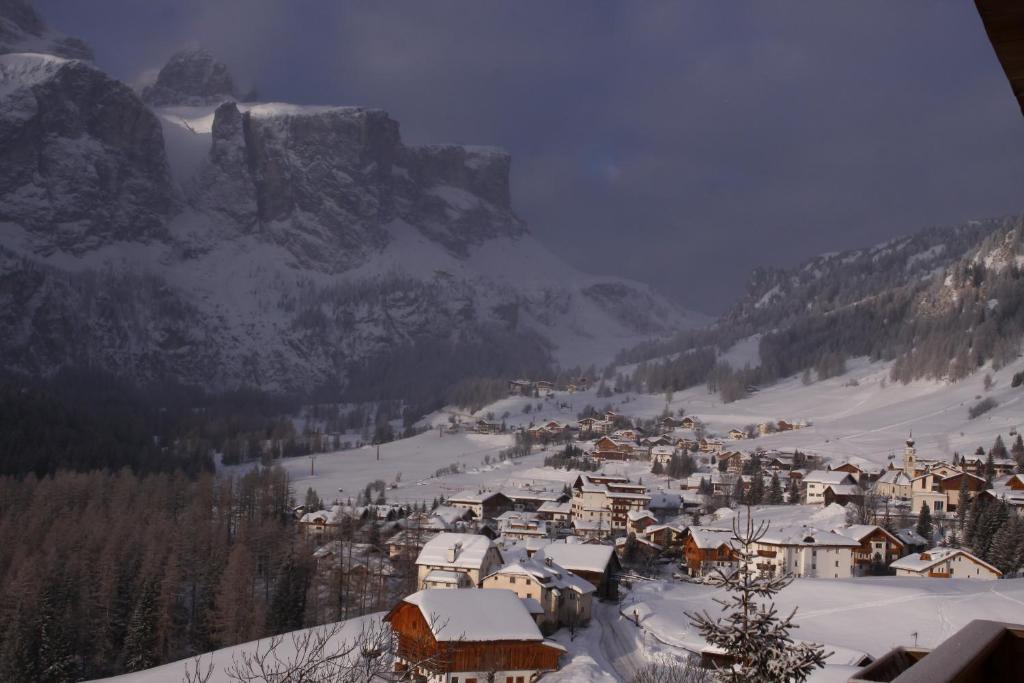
(453, 551)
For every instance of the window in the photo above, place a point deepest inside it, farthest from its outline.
(837, 563)
(511, 579)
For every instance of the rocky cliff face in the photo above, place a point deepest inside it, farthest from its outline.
(325, 181)
(191, 77)
(223, 244)
(22, 30)
(81, 158)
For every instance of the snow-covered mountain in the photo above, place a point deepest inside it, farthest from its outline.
(23, 30)
(217, 243)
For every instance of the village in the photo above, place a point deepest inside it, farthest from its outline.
(492, 582)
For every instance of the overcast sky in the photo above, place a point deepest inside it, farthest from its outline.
(678, 143)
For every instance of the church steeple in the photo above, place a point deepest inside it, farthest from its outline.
(910, 458)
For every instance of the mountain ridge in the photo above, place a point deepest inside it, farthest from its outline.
(286, 247)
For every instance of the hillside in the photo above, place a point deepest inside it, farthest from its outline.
(940, 304)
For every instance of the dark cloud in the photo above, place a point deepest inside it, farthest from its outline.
(678, 143)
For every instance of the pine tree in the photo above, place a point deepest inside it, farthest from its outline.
(1003, 549)
(140, 638)
(925, 528)
(288, 605)
(793, 497)
(656, 468)
(775, 490)
(737, 491)
(998, 449)
(752, 633)
(756, 493)
(963, 498)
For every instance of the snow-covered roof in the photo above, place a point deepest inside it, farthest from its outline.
(917, 562)
(475, 615)
(472, 497)
(578, 557)
(470, 550)
(844, 489)
(637, 515)
(895, 477)
(910, 537)
(828, 477)
(859, 532)
(549, 574)
(665, 499)
(706, 539)
(556, 508)
(448, 514)
(803, 535)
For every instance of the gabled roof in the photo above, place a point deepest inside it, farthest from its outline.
(910, 537)
(552, 575)
(859, 532)
(555, 507)
(475, 615)
(708, 539)
(844, 489)
(915, 562)
(637, 515)
(474, 497)
(805, 536)
(828, 477)
(578, 557)
(894, 477)
(471, 550)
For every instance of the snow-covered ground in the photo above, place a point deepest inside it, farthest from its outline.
(849, 616)
(860, 414)
(223, 659)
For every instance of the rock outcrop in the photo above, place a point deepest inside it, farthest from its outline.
(23, 30)
(193, 78)
(81, 157)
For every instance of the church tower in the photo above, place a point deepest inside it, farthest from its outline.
(910, 458)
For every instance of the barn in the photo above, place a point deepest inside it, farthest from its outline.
(464, 635)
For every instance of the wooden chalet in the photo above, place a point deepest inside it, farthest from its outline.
(469, 635)
(842, 494)
(707, 550)
(690, 422)
(607, 448)
(481, 504)
(878, 548)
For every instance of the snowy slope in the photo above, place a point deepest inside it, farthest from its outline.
(222, 659)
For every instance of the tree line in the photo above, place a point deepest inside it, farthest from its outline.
(106, 572)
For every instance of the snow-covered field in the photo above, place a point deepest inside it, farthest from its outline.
(860, 414)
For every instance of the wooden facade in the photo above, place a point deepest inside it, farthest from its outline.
(419, 648)
(698, 559)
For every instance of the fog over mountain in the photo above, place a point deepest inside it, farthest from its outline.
(682, 143)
